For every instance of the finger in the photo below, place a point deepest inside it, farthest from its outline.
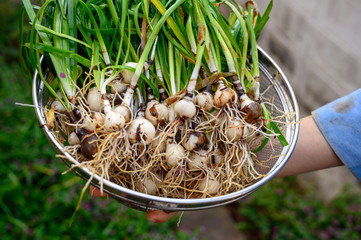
(96, 192)
(159, 216)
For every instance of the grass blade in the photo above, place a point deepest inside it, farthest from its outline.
(73, 47)
(263, 20)
(63, 53)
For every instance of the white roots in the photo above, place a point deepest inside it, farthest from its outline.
(234, 131)
(198, 160)
(209, 186)
(185, 150)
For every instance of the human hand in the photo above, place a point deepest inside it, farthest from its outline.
(156, 216)
(159, 216)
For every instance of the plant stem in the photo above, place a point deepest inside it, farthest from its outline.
(171, 68)
(147, 49)
(253, 43)
(244, 42)
(173, 25)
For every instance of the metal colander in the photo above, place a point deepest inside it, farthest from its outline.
(274, 86)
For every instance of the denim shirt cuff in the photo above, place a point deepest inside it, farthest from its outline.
(340, 123)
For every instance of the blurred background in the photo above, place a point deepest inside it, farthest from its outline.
(316, 43)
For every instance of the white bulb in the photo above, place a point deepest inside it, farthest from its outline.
(58, 107)
(224, 96)
(73, 139)
(185, 109)
(113, 121)
(94, 99)
(194, 140)
(204, 100)
(157, 179)
(118, 86)
(217, 157)
(148, 187)
(156, 113)
(245, 100)
(125, 111)
(158, 145)
(174, 154)
(198, 160)
(91, 123)
(141, 130)
(209, 186)
(127, 75)
(172, 115)
(234, 130)
(191, 142)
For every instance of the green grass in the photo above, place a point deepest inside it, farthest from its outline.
(36, 200)
(283, 210)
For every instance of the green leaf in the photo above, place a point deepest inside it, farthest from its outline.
(103, 23)
(280, 136)
(275, 128)
(225, 27)
(175, 28)
(177, 44)
(61, 35)
(265, 140)
(263, 20)
(87, 12)
(96, 62)
(72, 23)
(136, 22)
(63, 53)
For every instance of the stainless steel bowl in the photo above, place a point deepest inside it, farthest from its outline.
(284, 98)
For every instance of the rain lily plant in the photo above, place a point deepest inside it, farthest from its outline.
(162, 97)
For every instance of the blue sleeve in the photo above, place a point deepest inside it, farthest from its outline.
(340, 124)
